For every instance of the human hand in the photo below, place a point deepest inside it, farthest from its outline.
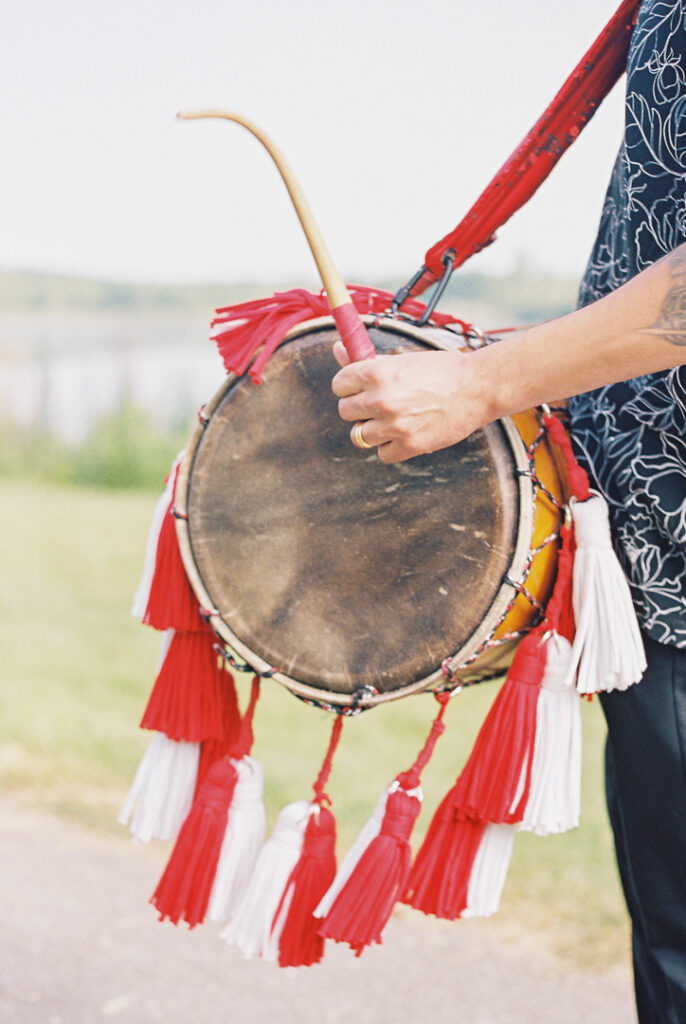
(412, 402)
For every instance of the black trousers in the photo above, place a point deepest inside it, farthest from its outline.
(646, 794)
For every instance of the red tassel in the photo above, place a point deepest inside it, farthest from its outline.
(439, 880)
(237, 735)
(361, 909)
(212, 750)
(559, 613)
(300, 944)
(262, 324)
(171, 602)
(492, 787)
(364, 905)
(257, 328)
(184, 889)
(577, 477)
(489, 787)
(188, 699)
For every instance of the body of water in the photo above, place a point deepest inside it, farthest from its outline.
(63, 372)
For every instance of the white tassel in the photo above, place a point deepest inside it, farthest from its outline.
(140, 600)
(251, 928)
(368, 833)
(162, 791)
(242, 842)
(608, 651)
(272, 951)
(555, 785)
(555, 791)
(489, 871)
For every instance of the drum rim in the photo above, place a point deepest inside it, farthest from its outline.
(438, 338)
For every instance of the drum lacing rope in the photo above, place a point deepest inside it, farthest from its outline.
(449, 674)
(239, 666)
(356, 706)
(412, 777)
(538, 488)
(520, 588)
(518, 585)
(531, 473)
(545, 542)
(245, 740)
(320, 794)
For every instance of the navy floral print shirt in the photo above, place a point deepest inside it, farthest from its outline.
(631, 436)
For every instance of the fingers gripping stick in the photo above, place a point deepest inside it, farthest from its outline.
(353, 333)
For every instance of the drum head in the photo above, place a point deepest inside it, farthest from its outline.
(341, 571)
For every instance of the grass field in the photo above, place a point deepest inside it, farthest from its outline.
(75, 674)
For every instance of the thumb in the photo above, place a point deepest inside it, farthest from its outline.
(340, 355)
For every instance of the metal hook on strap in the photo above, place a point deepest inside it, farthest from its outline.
(404, 293)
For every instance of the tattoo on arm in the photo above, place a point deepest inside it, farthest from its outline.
(671, 323)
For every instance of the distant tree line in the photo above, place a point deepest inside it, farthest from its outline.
(523, 295)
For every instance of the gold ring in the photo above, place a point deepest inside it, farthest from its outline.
(357, 438)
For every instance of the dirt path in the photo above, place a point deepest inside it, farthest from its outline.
(81, 945)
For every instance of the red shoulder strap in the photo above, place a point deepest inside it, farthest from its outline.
(534, 158)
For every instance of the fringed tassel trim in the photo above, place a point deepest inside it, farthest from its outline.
(372, 880)
(183, 891)
(607, 653)
(192, 691)
(251, 928)
(252, 331)
(161, 793)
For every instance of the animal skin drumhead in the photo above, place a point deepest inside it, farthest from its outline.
(336, 568)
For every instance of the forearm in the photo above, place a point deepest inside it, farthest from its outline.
(638, 329)
(418, 402)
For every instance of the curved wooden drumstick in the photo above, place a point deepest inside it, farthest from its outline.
(353, 333)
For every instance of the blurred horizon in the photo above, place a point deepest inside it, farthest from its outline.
(92, 372)
(75, 350)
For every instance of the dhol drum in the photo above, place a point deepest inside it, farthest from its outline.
(350, 581)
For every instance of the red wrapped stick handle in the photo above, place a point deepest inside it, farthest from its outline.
(353, 333)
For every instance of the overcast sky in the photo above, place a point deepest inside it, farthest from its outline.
(394, 115)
